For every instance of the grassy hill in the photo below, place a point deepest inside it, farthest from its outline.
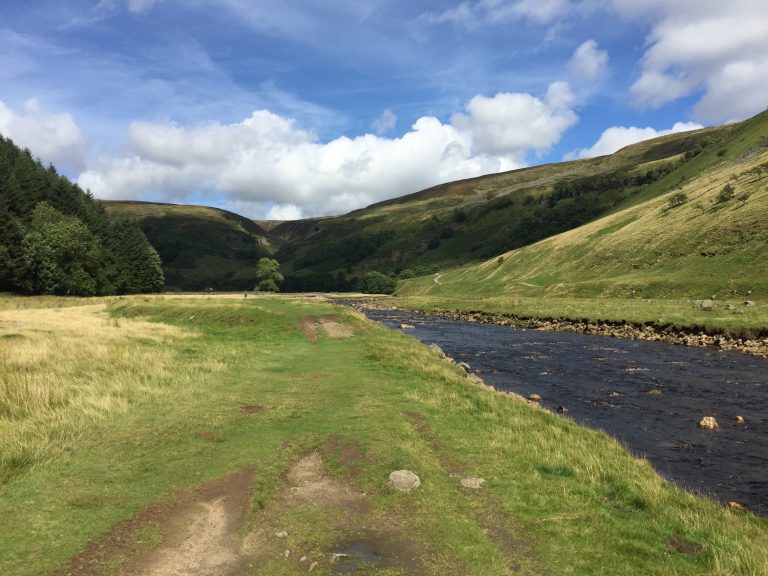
(700, 231)
(471, 220)
(200, 247)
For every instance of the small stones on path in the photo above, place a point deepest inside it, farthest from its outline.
(739, 421)
(312, 566)
(281, 534)
(709, 423)
(534, 398)
(404, 480)
(472, 483)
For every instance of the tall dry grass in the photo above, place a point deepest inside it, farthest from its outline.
(63, 368)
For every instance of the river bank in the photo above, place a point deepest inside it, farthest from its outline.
(748, 341)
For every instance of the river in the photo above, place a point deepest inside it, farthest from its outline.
(648, 395)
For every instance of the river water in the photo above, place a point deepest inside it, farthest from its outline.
(648, 395)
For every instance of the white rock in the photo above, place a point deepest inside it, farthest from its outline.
(404, 480)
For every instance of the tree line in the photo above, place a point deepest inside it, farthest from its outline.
(56, 239)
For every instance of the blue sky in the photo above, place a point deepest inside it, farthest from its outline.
(305, 107)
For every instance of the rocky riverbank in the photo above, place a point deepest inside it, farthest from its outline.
(755, 345)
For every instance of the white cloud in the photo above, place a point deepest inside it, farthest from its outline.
(588, 63)
(267, 160)
(717, 48)
(385, 123)
(54, 138)
(617, 137)
(472, 14)
(139, 6)
(284, 212)
(511, 124)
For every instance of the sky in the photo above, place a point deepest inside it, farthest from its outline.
(298, 108)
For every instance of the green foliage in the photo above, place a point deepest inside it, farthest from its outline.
(55, 239)
(268, 275)
(377, 283)
(677, 199)
(726, 194)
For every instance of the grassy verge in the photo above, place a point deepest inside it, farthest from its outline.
(727, 315)
(136, 399)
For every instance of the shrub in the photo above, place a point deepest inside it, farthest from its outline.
(677, 200)
(726, 194)
(377, 283)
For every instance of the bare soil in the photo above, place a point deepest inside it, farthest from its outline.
(211, 530)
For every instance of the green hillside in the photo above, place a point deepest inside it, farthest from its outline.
(471, 220)
(200, 247)
(699, 232)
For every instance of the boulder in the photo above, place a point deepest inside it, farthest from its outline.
(534, 398)
(707, 305)
(404, 480)
(472, 483)
(437, 350)
(464, 366)
(709, 423)
(732, 505)
(739, 421)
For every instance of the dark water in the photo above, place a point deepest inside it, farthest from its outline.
(605, 382)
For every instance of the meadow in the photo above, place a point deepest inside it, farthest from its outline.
(232, 436)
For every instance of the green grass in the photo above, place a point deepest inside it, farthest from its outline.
(571, 500)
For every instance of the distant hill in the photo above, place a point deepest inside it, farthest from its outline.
(56, 239)
(471, 220)
(200, 247)
(454, 224)
(701, 231)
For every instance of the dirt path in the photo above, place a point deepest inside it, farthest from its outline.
(210, 531)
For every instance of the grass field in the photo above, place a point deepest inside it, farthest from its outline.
(225, 436)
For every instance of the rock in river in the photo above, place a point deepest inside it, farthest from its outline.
(709, 423)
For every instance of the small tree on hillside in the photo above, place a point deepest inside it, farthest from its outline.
(268, 275)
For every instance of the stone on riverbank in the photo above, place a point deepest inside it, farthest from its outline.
(534, 398)
(739, 421)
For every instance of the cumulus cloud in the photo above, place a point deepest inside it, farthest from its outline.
(266, 160)
(588, 63)
(385, 123)
(511, 124)
(54, 138)
(617, 137)
(717, 48)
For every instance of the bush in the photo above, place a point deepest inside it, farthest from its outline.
(726, 194)
(677, 200)
(376, 283)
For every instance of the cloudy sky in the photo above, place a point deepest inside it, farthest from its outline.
(308, 107)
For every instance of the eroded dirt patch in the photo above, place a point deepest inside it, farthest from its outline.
(252, 409)
(197, 531)
(208, 531)
(334, 329)
(307, 327)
